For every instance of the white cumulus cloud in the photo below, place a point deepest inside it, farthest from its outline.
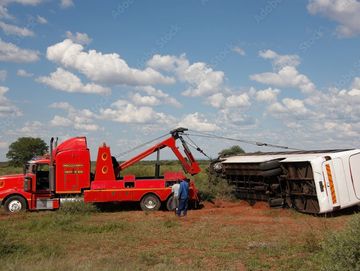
(23, 2)
(69, 82)
(138, 99)
(240, 100)
(344, 12)
(196, 121)
(81, 38)
(104, 68)
(280, 61)
(10, 29)
(216, 100)
(239, 50)
(66, 3)
(6, 107)
(230, 99)
(285, 73)
(79, 119)
(41, 20)
(9, 52)
(267, 95)
(125, 112)
(161, 95)
(289, 107)
(4, 13)
(23, 73)
(287, 76)
(203, 80)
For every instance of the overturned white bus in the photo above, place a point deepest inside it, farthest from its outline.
(309, 181)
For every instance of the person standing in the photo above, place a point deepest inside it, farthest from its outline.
(175, 190)
(183, 198)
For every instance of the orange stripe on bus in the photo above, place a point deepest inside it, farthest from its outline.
(331, 182)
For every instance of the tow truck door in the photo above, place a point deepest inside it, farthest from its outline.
(42, 179)
(42, 196)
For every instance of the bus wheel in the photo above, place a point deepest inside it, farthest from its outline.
(150, 202)
(15, 204)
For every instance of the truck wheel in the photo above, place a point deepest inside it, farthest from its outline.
(150, 202)
(271, 172)
(15, 204)
(170, 204)
(271, 164)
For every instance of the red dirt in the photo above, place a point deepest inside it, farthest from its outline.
(241, 213)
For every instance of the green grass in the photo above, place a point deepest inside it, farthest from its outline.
(135, 240)
(5, 169)
(340, 251)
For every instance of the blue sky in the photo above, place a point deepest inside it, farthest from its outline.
(124, 72)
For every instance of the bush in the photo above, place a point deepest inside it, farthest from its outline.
(212, 187)
(77, 207)
(341, 250)
(234, 150)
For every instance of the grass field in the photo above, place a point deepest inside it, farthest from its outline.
(224, 235)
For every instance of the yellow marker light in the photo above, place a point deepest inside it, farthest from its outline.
(2, 184)
(331, 182)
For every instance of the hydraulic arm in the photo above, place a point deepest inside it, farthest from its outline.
(188, 162)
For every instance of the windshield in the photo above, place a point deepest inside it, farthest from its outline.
(30, 168)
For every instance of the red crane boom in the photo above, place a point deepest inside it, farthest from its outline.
(188, 161)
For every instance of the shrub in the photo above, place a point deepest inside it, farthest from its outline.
(340, 251)
(212, 187)
(77, 207)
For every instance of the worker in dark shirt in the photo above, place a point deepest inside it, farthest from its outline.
(183, 198)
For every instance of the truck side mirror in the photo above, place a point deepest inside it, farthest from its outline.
(27, 184)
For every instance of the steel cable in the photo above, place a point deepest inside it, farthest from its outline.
(140, 146)
(256, 143)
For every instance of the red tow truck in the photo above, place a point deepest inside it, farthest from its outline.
(65, 174)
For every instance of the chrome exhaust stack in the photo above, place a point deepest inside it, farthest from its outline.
(51, 168)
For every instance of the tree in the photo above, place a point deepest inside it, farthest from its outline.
(234, 150)
(24, 149)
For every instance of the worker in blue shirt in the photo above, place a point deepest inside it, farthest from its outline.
(183, 198)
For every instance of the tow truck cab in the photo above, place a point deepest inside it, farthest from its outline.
(27, 190)
(37, 188)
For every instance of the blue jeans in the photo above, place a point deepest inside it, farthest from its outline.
(183, 205)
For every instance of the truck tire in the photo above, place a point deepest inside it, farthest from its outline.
(271, 164)
(15, 204)
(150, 202)
(170, 204)
(271, 172)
